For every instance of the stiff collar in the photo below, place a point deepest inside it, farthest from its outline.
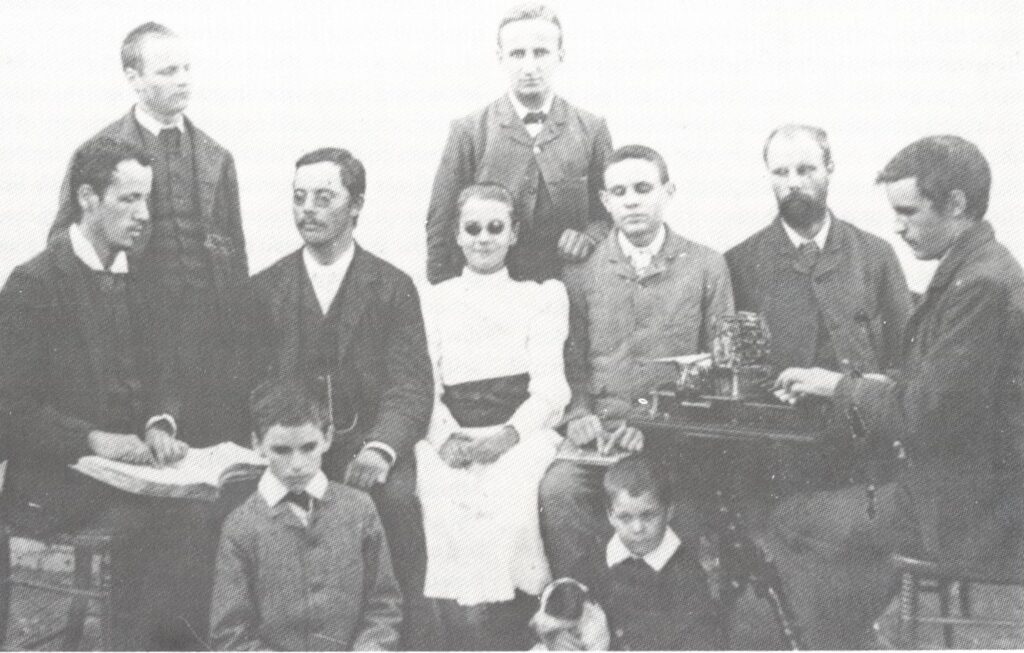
(820, 238)
(521, 109)
(273, 490)
(154, 126)
(327, 279)
(657, 559)
(86, 253)
(631, 250)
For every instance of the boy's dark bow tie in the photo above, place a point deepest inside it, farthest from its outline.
(535, 117)
(301, 499)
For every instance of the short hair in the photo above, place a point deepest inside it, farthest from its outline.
(636, 475)
(96, 162)
(942, 164)
(353, 174)
(530, 11)
(490, 191)
(131, 47)
(639, 152)
(287, 402)
(819, 135)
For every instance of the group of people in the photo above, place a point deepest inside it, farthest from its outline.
(415, 496)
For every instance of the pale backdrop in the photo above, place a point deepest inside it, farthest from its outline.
(701, 81)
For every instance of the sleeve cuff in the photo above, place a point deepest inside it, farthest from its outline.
(385, 449)
(165, 422)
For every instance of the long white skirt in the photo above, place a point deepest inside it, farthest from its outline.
(482, 524)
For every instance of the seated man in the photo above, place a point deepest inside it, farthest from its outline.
(645, 293)
(78, 379)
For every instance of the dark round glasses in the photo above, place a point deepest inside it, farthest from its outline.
(494, 227)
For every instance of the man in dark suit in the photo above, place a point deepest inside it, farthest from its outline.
(833, 296)
(549, 153)
(79, 378)
(334, 312)
(193, 251)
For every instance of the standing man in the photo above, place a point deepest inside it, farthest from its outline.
(955, 401)
(549, 153)
(335, 313)
(645, 293)
(835, 297)
(195, 250)
(79, 378)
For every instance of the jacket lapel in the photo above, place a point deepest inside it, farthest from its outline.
(285, 311)
(555, 123)
(209, 158)
(74, 292)
(510, 122)
(354, 295)
(832, 254)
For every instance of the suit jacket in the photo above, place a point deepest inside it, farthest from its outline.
(52, 392)
(283, 586)
(381, 338)
(619, 320)
(492, 145)
(957, 401)
(857, 282)
(217, 188)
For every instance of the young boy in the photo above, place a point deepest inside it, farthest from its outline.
(303, 563)
(653, 589)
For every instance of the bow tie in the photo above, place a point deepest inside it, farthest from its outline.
(301, 499)
(535, 117)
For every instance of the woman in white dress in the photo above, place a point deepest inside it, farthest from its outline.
(500, 389)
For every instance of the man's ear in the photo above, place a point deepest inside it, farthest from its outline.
(605, 198)
(131, 75)
(87, 197)
(355, 207)
(515, 234)
(830, 167)
(561, 54)
(670, 188)
(956, 204)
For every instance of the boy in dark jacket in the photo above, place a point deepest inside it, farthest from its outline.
(653, 589)
(303, 564)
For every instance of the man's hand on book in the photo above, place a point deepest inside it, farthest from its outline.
(123, 447)
(165, 448)
(367, 469)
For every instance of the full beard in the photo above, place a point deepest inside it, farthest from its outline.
(801, 211)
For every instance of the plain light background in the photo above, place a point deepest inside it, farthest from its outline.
(702, 81)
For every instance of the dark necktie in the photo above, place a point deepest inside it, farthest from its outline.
(170, 141)
(807, 255)
(301, 499)
(535, 118)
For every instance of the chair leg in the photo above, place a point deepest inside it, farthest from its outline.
(943, 590)
(906, 636)
(79, 605)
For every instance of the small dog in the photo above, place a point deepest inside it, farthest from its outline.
(567, 610)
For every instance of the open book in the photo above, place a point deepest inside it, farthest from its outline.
(199, 475)
(569, 450)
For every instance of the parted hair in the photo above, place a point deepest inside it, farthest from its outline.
(96, 162)
(492, 191)
(642, 152)
(131, 47)
(942, 164)
(530, 11)
(287, 402)
(353, 174)
(819, 135)
(636, 475)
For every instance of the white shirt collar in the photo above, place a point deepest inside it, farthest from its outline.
(657, 559)
(521, 109)
(470, 276)
(819, 238)
(86, 253)
(326, 279)
(273, 490)
(632, 251)
(154, 126)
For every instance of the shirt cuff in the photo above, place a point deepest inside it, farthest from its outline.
(388, 452)
(165, 422)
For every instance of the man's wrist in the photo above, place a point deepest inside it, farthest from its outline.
(384, 450)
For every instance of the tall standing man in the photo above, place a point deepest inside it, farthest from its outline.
(549, 153)
(80, 377)
(835, 297)
(333, 312)
(195, 251)
(646, 293)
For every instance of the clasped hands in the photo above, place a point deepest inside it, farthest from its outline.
(461, 450)
(575, 246)
(589, 428)
(159, 447)
(797, 383)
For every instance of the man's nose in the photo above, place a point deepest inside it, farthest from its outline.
(142, 212)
